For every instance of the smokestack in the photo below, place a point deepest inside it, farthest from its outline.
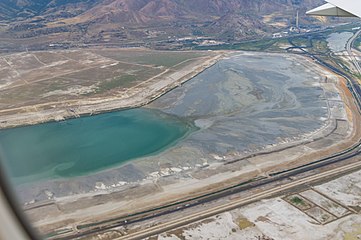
(297, 22)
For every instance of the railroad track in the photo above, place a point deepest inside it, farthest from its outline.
(85, 230)
(237, 203)
(349, 50)
(355, 150)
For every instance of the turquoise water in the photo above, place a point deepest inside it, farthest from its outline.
(85, 145)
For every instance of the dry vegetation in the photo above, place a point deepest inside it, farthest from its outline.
(38, 81)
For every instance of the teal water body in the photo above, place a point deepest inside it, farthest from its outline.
(88, 144)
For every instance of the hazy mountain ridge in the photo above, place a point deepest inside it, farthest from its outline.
(134, 20)
(11, 8)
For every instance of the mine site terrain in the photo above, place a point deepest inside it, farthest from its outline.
(169, 119)
(278, 121)
(304, 129)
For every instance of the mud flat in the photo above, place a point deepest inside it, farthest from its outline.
(256, 113)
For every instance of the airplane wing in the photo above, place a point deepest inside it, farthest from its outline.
(340, 8)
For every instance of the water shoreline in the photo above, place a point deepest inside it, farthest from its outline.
(174, 127)
(153, 98)
(189, 171)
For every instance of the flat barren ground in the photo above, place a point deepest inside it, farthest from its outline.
(53, 85)
(328, 211)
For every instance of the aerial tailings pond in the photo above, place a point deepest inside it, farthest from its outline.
(81, 146)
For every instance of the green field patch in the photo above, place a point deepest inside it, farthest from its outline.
(58, 76)
(244, 223)
(299, 202)
(117, 82)
(152, 58)
(259, 45)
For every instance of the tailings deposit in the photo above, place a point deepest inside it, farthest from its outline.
(240, 105)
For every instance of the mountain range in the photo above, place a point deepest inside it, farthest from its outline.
(150, 20)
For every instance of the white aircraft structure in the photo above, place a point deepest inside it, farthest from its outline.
(339, 8)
